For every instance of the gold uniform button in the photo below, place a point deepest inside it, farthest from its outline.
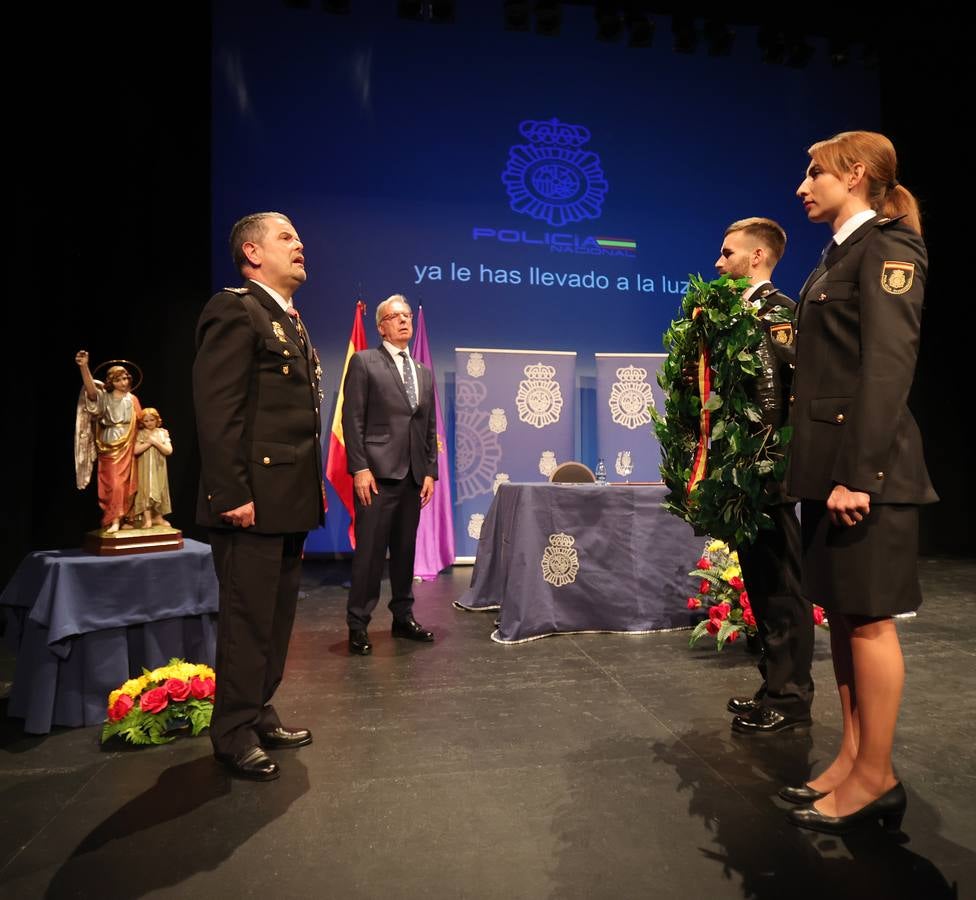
(792, 398)
(823, 297)
(839, 418)
(286, 353)
(267, 460)
(210, 496)
(879, 476)
(285, 370)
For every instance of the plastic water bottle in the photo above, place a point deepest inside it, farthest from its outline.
(601, 472)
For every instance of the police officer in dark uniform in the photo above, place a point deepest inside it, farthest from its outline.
(856, 461)
(770, 565)
(256, 392)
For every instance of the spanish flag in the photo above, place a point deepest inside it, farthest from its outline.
(335, 468)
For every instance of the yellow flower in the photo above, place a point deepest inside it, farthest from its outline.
(113, 697)
(734, 556)
(732, 572)
(715, 546)
(134, 686)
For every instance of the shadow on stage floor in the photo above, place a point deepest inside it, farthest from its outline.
(582, 766)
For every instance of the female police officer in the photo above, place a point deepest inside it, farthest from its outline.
(856, 460)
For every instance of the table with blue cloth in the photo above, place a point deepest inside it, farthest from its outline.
(81, 625)
(570, 558)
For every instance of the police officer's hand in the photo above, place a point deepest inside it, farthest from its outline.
(847, 507)
(241, 516)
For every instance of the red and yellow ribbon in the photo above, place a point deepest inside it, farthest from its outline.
(704, 422)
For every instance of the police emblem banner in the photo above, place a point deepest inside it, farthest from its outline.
(514, 420)
(626, 388)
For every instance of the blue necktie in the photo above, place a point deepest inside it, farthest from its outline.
(408, 379)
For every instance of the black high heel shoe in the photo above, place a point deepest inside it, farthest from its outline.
(801, 795)
(889, 808)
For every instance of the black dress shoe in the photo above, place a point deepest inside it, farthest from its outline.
(409, 629)
(889, 808)
(285, 738)
(359, 643)
(252, 763)
(801, 795)
(742, 706)
(768, 721)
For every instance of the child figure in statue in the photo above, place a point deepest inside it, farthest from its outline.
(152, 447)
(115, 411)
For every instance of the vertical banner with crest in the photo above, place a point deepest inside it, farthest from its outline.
(626, 389)
(514, 415)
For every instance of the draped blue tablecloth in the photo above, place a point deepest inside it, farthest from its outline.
(558, 558)
(81, 625)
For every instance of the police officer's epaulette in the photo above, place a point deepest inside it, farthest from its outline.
(885, 221)
(241, 290)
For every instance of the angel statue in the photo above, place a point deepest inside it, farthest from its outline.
(114, 411)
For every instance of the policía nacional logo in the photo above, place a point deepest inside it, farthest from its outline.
(552, 178)
(631, 399)
(498, 421)
(539, 400)
(560, 562)
(476, 364)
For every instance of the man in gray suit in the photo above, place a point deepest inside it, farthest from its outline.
(391, 445)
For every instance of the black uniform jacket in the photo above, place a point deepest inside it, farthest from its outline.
(381, 431)
(857, 335)
(256, 392)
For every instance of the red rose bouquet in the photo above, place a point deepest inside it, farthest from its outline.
(144, 709)
(724, 595)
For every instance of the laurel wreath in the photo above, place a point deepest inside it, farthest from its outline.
(746, 459)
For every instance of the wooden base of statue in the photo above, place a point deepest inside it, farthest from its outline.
(132, 540)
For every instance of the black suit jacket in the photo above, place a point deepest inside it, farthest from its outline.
(381, 431)
(857, 337)
(256, 393)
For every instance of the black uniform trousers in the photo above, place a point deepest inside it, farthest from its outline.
(391, 520)
(259, 575)
(784, 619)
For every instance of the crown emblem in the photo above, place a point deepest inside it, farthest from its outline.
(552, 131)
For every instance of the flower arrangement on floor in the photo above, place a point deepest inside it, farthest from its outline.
(144, 709)
(722, 590)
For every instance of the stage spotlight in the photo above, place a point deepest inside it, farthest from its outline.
(608, 21)
(516, 15)
(337, 7)
(798, 51)
(440, 12)
(718, 37)
(410, 9)
(640, 29)
(772, 44)
(684, 33)
(839, 52)
(548, 17)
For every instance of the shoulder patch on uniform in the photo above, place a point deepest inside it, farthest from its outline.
(897, 277)
(782, 334)
(240, 291)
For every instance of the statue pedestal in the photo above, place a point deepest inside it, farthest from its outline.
(132, 540)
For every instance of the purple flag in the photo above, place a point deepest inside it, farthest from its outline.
(435, 534)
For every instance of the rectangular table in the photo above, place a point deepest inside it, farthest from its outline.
(81, 625)
(569, 558)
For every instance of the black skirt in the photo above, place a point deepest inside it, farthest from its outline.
(870, 569)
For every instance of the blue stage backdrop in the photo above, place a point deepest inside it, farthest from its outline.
(531, 191)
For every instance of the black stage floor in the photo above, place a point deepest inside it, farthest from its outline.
(583, 766)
